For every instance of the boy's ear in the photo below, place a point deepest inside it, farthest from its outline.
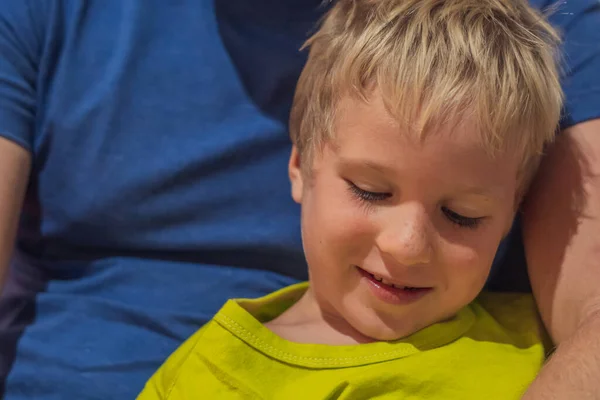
(295, 173)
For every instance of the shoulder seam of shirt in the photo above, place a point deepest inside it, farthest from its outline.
(187, 356)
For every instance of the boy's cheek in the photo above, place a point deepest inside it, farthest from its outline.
(344, 232)
(342, 218)
(467, 269)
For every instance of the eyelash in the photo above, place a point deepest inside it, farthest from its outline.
(460, 220)
(366, 196)
(373, 197)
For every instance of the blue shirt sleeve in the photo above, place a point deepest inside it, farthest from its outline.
(579, 23)
(21, 39)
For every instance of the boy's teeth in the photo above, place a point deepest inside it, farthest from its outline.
(386, 282)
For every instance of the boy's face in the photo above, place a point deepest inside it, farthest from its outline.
(378, 204)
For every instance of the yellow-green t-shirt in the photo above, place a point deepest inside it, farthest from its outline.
(492, 349)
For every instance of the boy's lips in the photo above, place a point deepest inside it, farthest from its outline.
(393, 292)
(393, 282)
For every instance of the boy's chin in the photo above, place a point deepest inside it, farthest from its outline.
(377, 330)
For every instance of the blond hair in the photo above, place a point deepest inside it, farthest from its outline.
(435, 62)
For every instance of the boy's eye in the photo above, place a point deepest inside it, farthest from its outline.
(460, 220)
(372, 197)
(366, 195)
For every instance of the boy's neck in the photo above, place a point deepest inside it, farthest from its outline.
(308, 322)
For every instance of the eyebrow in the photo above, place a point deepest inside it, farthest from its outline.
(488, 194)
(358, 163)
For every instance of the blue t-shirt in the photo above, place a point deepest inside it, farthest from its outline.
(159, 185)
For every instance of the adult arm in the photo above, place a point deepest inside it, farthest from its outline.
(561, 234)
(561, 219)
(21, 38)
(15, 164)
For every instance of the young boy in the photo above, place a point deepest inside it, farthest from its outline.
(417, 125)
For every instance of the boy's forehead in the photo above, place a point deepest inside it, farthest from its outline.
(368, 136)
(373, 118)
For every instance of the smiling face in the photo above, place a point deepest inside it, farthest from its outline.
(400, 233)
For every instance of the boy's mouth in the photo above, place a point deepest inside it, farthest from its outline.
(389, 283)
(393, 292)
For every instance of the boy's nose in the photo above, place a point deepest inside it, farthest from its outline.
(406, 236)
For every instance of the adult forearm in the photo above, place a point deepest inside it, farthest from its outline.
(561, 233)
(573, 371)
